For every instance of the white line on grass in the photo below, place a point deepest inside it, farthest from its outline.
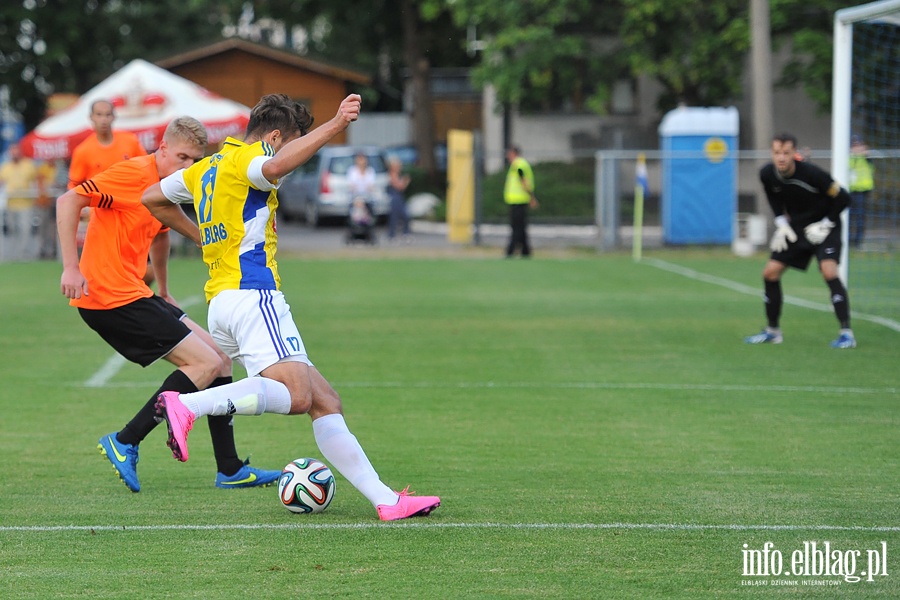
(116, 361)
(106, 372)
(591, 385)
(601, 385)
(565, 526)
(745, 289)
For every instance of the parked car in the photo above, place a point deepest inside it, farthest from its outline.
(318, 189)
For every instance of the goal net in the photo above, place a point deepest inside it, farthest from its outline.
(866, 108)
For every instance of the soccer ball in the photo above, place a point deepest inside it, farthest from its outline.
(306, 485)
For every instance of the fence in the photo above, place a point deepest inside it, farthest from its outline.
(614, 181)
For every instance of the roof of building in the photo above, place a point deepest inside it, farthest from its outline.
(276, 54)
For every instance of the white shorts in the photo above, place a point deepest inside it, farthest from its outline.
(255, 328)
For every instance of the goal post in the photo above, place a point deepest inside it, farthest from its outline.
(866, 66)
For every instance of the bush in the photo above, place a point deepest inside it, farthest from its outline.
(565, 192)
(420, 183)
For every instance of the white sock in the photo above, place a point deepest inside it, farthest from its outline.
(342, 450)
(250, 396)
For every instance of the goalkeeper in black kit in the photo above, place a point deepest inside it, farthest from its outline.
(807, 205)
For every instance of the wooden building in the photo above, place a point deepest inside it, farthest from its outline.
(244, 71)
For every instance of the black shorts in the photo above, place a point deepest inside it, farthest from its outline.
(800, 253)
(143, 331)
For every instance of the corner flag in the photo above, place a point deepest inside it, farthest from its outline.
(640, 173)
(641, 188)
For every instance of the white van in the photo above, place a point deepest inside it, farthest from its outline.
(319, 190)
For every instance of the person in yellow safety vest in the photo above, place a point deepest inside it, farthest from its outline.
(862, 182)
(518, 193)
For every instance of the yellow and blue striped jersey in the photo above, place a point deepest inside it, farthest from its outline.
(236, 215)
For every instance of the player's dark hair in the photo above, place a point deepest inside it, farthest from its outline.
(785, 137)
(278, 111)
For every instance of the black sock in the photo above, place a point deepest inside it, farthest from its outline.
(221, 431)
(840, 302)
(145, 420)
(774, 299)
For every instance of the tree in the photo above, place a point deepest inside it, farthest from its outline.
(49, 46)
(812, 45)
(391, 38)
(541, 50)
(696, 49)
(419, 69)
(539, 55)
(545, 54)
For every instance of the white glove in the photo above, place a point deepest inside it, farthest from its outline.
(783, 235)
(818, 231)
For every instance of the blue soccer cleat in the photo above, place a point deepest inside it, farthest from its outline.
(845, 340)
(247, 477)
(765, 336)
(124, 459)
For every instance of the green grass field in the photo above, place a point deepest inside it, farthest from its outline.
(595, 428)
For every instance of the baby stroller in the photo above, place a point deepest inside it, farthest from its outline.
(361, 223)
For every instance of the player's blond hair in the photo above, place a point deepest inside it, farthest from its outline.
(186, 129)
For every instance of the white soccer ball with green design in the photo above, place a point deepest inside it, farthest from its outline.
(306, 485)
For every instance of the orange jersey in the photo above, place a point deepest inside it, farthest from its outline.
(90, 157)
(119, 234)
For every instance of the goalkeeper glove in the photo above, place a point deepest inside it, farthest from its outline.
(818, 231)
(783, 234)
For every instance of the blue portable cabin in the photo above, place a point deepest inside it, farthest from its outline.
(700, 174)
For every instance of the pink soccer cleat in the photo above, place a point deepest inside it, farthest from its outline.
(407, 506)
(179, 420)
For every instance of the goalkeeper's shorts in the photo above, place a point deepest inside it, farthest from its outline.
(799, 254)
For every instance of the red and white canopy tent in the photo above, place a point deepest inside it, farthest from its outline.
(146, 99)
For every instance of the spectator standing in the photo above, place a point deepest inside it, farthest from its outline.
(518, 193)
(104, 147)
(396, 188)
(19, 177)
(51, 184)
(361, 177)
(862, 182)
